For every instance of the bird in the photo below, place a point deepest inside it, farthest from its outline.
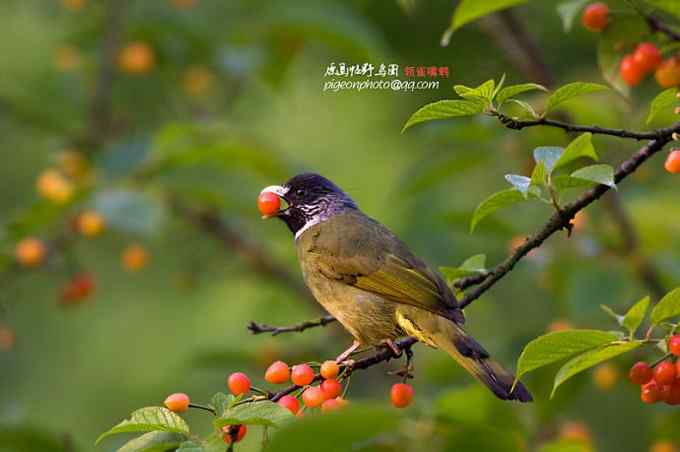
(369, 280)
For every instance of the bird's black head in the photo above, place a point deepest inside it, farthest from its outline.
(311, 199)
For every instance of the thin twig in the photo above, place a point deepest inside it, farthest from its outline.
(656, 24)
(259, 328)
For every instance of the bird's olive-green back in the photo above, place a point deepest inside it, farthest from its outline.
(359, 251)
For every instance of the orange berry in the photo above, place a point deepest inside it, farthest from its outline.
(30, 252)
(331, 388)
(579, 221)
(401, 395)
(90, 223)
(647, 56)
(277, 373)
(268, 203)
(77, 289)
(136, 58)
(198, 80)
(672, 164)
(7, 339)
(559, 325)
(177, 402)
(74, 5)
(641, 373)
(238, 383)
(663, 446)
(313, 397)
(631, 72)
(595, 16)
(134, 257)
(290, 402)
(302, 374)
(667, 75)
(233, 433)
(333, 404)
(605, 376)
(329, 369)
(575, 431)
(53, 186)
(649, 393)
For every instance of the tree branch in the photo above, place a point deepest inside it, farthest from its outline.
(259, 328)
(656, 24)
(560, 220)
(516, 124)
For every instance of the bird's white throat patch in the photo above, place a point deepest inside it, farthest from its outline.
(311, 222)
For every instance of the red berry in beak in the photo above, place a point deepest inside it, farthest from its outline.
(268, 203)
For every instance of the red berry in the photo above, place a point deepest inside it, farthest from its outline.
(177, 402)
(333, 404)
(674, 398)
(672, 165)
(268, 203)
(290, 402)
(664, 373)
(640, 373)
(331, 388)
(238, 383)
(233, 433)
(401, 395)
(649, 393)
(647, 56)
(674, 344)
(77, 289)
(665, 393)
(329, 369)
(313, 397)
(277, 373)
(596, 16)
(302, 374)
(631, 72)
(668, 73)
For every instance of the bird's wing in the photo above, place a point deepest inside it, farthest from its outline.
(375, 260)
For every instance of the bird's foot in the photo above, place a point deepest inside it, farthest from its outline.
(342, 357)
(405, 372)
(396, 352)
(348, 363)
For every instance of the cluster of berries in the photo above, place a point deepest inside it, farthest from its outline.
(645, 59)
(328, 396)
(660, 382)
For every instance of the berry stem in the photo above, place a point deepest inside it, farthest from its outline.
(660, 360)
(203, 407)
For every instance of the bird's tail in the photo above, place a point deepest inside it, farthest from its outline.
(472, 356)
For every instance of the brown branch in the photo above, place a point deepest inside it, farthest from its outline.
(259, 328)
(101, 106)
(657, 25)
(236, 241)
(516, 124)
(560, 220)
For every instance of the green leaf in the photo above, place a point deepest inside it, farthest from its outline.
(521, 183)
(444, 109)
(499, 86)
(579, 147)
(469, 10)
(539, 175)
(670, 6)
(559, 345)
(664, 101)
(571, 90)
(221, 402)
(635, 315)
(154, 442)
(190, 446)
(548, 156)
(470, 266)
(590, 359)
(620, 36)
(526, 106)
(568, 12)
(562, 182)
(147, 420)
(614, 315)
(259, 413)
(493, 203)
(514, 90)
(602, 174)
(667, 307)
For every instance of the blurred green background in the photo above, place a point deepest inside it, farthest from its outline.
(225, 98)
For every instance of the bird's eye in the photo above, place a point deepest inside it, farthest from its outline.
(300, 192)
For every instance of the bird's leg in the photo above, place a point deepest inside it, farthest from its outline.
(406, 371)
(342, 357)
(391, 345)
